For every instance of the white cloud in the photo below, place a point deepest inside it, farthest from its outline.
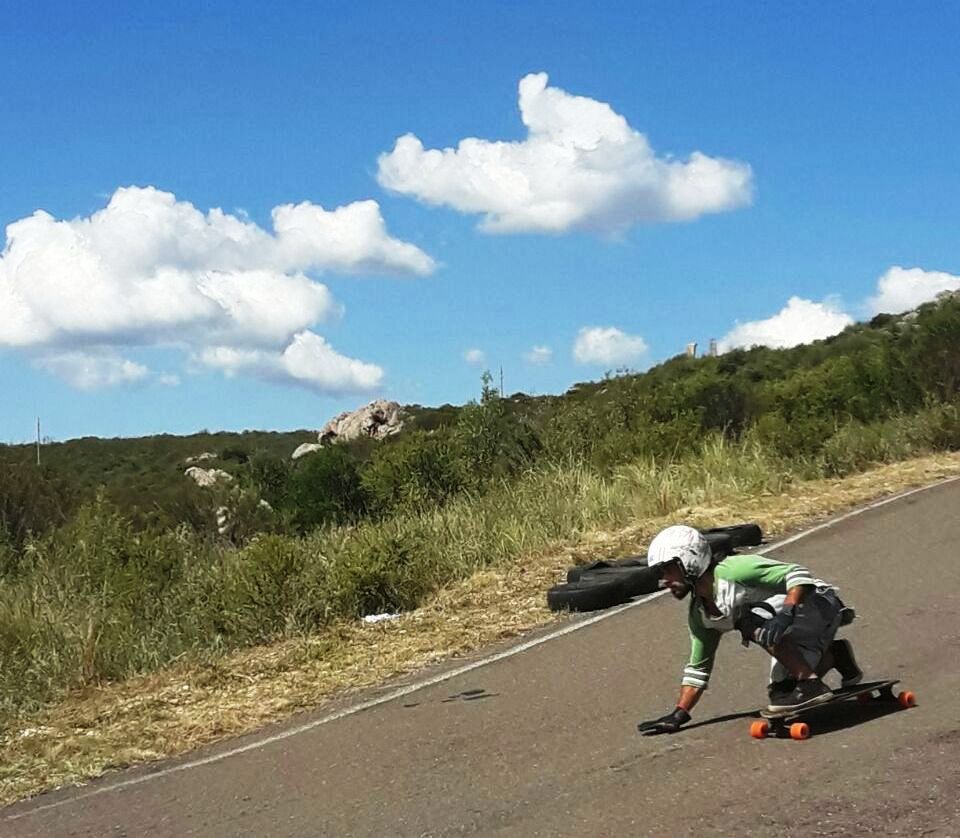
(352, 239)
(95, 370)
(474, 356)
(169, 379)
(539, 355)
(309, 360)
(581, 167)
(151, 270)
(901, 289)
(607, 345)
(800, 321)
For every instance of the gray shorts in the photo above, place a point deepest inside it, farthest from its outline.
(815, 625)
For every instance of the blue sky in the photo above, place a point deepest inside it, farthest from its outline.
(831, 132)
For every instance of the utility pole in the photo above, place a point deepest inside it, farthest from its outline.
(38, 442)
(501, 381)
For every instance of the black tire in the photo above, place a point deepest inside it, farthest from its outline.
(636, 580)
(587, 596)
(575, 573)
(640, 560)
(741, 535)
(721, 544)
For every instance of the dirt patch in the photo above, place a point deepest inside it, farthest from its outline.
(188, 705)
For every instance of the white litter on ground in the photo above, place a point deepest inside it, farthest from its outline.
(379, 618)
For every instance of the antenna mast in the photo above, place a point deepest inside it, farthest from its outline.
(38, 442)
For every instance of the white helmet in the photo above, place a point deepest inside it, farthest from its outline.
(684, 544)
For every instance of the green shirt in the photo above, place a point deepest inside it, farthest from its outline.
(738, 582)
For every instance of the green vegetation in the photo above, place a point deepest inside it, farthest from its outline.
(111, 563)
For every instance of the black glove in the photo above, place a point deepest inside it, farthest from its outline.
(773, 630)
(666, 724)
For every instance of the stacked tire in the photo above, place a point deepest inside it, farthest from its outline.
(725, 540)
(605, 584)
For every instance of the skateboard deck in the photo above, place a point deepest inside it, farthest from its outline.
(788, 722)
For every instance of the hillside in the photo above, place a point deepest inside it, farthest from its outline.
(794, 401)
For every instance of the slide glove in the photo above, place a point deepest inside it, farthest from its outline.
(772, 631)
(666, 724)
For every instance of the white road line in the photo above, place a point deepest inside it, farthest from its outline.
(444, 676)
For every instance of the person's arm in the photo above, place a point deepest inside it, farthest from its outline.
(760, 571)
(703, 652)
(771, 633)
(797, 594)
(696, 677)
(689, 696)
(793, 580)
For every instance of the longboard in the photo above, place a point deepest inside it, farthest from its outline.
(788, 722)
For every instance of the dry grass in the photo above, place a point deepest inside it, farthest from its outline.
(185, 706)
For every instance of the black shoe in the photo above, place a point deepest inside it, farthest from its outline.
(845, 663)
(808, 693)
(777, 691)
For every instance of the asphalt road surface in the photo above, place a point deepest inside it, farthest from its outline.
(544, 742)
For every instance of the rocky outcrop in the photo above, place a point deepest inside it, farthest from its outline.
(377, 420)
(306, 448)
(201, 458)
(206, 477)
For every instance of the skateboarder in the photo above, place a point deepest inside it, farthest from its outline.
(776, 605)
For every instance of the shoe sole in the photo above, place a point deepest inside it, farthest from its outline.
(851, 682)
(813, 702)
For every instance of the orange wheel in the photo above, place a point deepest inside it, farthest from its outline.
(907, 699)
(799, 730)
(864, 698)
(760, 729)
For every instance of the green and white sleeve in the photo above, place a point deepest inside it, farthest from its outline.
(759, 571)
(703, 651)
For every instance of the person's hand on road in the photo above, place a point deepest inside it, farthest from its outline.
(665, 724)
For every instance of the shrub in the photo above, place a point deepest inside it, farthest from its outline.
(414, 472)
(32, 500)
(270, 475)
(325, 488)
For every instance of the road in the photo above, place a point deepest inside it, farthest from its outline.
(544, 743)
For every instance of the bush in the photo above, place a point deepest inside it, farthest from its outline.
(939, 426)
(32, 501)
(270, 475)
(492, 442)
(262, 589)
(415, 472)
(325, 488)
(855, 446)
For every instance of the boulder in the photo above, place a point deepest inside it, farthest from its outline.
(306, 448)
(377, 420)
(207, 477)
(201, 458)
